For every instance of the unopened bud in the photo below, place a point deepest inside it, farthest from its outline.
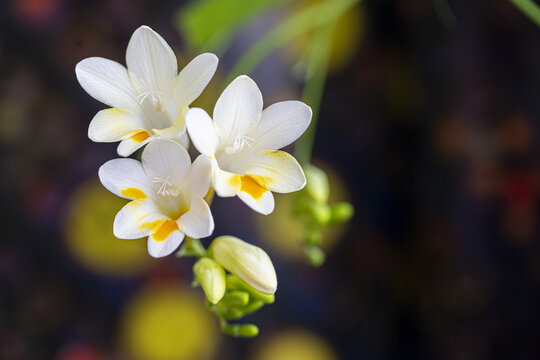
(315, 255)
(314, 238)
(321, 213)
(341, 212)
(250, 263)
(234, 298)
(212, 278)
(316, 184)
(236, 330)
(234, 283)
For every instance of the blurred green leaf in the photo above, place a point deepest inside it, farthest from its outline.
(529, 8)
(209, 25)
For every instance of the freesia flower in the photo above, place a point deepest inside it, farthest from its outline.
(150, 98)
(250, 263)
(242, 142)
(167, 196)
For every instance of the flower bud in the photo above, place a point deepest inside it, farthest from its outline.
(212, 278)
(341, 212)
(321, 213)
(315, 255)
(250, 263)
(316, 184)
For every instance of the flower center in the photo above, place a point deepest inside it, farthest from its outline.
(155, 99)
(166, 188)
(238, 144)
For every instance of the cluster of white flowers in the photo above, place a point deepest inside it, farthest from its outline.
(238, 146)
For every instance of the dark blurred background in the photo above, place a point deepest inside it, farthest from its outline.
(428, 125)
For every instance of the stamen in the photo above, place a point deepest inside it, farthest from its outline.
(238, 144)
(166, 188)
(154, 95)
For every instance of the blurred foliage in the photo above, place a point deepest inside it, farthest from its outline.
(345, 42)
(529, 8)
(287, 235)
(210, 25)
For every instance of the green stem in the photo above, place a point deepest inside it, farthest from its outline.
(316, 73)
(296, 25)
(529, 8)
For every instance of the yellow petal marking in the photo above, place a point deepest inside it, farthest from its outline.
(140, 136)
(134, 193)
(252, 187)
(165, 230)
(152, 226)
(235, 181)
(263, 181)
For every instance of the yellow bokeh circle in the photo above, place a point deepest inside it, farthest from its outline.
(168, 323)
(294, 345)
(89, 236)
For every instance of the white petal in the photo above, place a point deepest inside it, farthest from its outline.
(225, 184)
(126, 178)
(165, 159)
(151, 62)
(165, 247)
(114, 124)
(281, 124)
(198, 221)
(201, 130)
(238, 109)
(184, 140)
(276, 171)
(137, 219)
(262, 202)
(135, 142)
(108, 82)
(200, 176)
(193, 79)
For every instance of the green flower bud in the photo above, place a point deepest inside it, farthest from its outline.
(314, 238)
(250, 263)
(247, 330)
(234, 283)
(321, 213)
(315, 255)
(212, 278)
(316, 184)
(227, 313)
(252, 307)
(234, 298)
(341, 212)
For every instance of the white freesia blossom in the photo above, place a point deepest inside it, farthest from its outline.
(150, 98)
(242, 142)
(167, 196)
(250, 263)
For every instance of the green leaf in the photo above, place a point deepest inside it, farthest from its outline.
(529, 8)
(209, 25)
